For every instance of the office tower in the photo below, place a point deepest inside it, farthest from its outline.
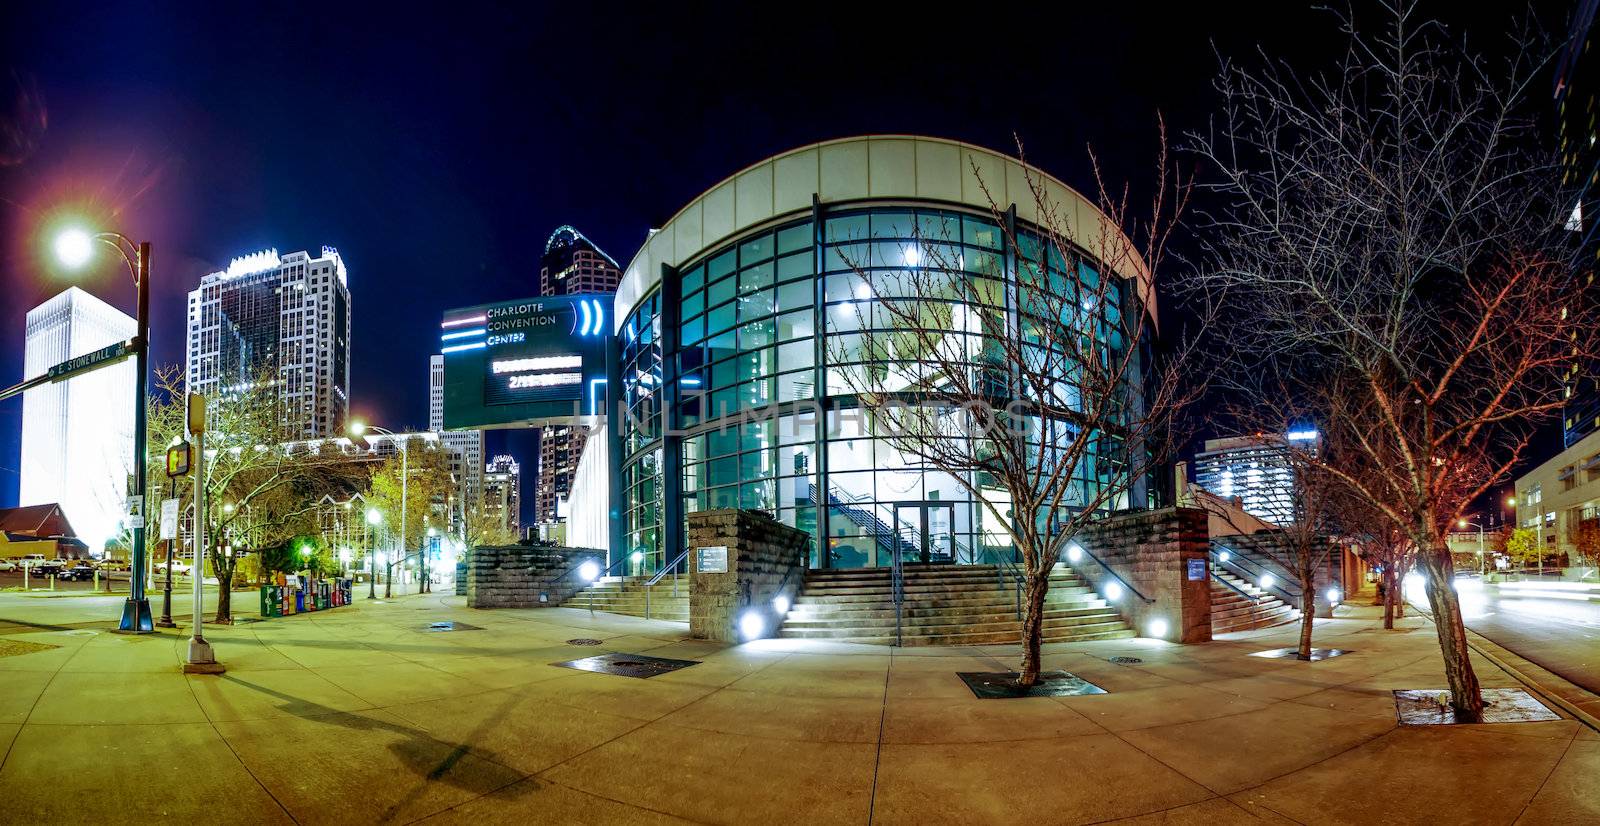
(1258, 470)
(286, 319)
(571, 265)
(77, 435)
(465, 446)
(1577, 97)
(502, 491)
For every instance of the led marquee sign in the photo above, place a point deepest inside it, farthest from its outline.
(524, 362)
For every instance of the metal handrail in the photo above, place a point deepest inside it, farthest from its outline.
(1280, 582)
(1118, 577)
(1234, 588)
(605, 572)
(1002, 567)
(670, 566)
(898, 589)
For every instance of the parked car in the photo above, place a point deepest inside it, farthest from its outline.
(179, 567)
(31, 560)
(113, 565)
(47, 567)
(79, 572)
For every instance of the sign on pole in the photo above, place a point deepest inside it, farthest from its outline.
(169, 519)
(114, 352)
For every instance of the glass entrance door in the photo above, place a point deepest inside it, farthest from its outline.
(925, 531)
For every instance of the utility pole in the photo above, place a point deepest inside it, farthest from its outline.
(201, 659)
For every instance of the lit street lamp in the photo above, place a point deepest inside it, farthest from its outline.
(74, 247)
(1479, 525)
(360, 429)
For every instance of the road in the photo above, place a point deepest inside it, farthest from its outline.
(1560, 634)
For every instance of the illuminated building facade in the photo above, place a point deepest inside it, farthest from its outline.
(734, 326)
(286, 317)
(465, 446)
(1256, 470)
(571, 265)
(502, 492)
(77, 435)
(1577, 95)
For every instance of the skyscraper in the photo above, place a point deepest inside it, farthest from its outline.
(1258, 470)
(286, 317)
(571, 265)
(502, 491)
(1577, 96)
(77, 435)
(464, 446)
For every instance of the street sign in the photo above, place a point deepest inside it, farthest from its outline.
(98, 358)
(136, 506)
(713, 560)
(169, 519)
(178, 459)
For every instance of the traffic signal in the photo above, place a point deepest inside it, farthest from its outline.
(178, 459)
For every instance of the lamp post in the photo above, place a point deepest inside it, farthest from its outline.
(1479, 525)
(75, 247)
(374, 518)
(360, 429)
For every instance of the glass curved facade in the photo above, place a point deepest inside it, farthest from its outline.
(738, 372)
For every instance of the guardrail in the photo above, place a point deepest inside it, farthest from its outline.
(673, 568)
(1279, 585)
(1114, 575)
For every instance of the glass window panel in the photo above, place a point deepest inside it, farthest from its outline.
(720, 319)
(847, 227)
(799, 386)
(794, 238)
(755, 249)
(755, 278)
(980, 233)
(693, 330)
(796, 355)
(720, 266)
(756, 334)
(694, 279)
(756, 305)
(846, 257)
(797, 265)
(721, 291)
(892, 225)
(938, 226)
(796, 295)
(693, 304)
(799, 324)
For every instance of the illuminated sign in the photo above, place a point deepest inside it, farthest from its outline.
(524, 362)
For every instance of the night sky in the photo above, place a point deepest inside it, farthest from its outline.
(438, 152)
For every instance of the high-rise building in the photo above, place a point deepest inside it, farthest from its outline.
(287, 318)
(571, 265)
(502, 492)
(1577, 95)
(77, 435)
(465, 446)
(1257, 470)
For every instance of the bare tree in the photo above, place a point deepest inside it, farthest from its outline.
(1039, 397)
(420, 481)
(1393, 236)
(258, 491)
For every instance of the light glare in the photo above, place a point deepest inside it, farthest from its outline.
(751, 625)
(74, 247)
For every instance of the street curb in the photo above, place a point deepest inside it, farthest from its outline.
(1478, 643)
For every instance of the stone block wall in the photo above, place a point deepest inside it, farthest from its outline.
(516, 576)
(764, 557)
(1151, 551)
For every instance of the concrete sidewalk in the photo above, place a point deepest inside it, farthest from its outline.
(361, 715)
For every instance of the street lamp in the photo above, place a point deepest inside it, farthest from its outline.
(374, 518)
(74, 247)
(1479, 525)
(359, 429)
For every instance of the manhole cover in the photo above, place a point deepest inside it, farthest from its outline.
(627, 665)
(1124, 660)
(583, 641)
(1002, 685)
(451, 626)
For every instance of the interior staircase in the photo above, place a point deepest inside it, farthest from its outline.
(944, 605)
(626, 595)
(1232, 611)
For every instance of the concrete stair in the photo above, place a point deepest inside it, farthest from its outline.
(944, 605)
(1231, 611)
(626, 595)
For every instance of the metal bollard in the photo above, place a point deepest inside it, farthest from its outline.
(52, 582)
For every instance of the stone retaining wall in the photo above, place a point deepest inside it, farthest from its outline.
(1151, 551)
(517, 576)
(764, 556)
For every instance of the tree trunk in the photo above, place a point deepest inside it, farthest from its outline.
(1308, 614)
(1389, 580)
(1033, 594)
(1465, 695)
(224, 574)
